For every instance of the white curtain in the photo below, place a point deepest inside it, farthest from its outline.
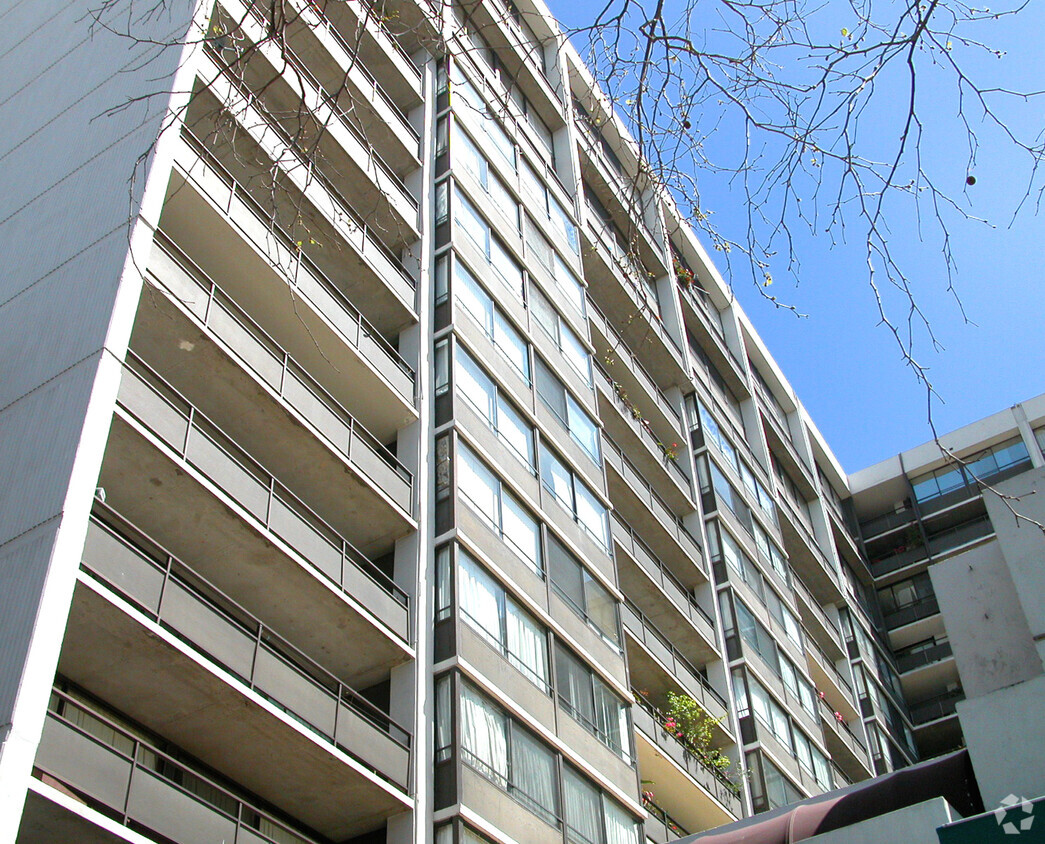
(533, 773)
(443, 733)
(611, 718)
(583, 813)
(521, 531)
(479, 599)
(620, 826)
(527, 645)
(484, 735)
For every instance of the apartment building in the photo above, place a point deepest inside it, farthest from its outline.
(384, 457)
(926, 516)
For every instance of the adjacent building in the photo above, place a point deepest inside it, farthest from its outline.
(385, 459)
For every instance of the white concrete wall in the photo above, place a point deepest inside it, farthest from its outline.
(912, 825)
(985, 620)
(1023, 543)
(1003, 733)
(67, 297)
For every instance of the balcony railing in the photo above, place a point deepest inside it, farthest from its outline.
(939, 543)
(141, 786)
(651, 722)
(660, 826)
(301, 68)
(914, 611)
(660, 574)
(267, 361)
(935, 708)
(922, 658)
(201, 444)
(181, 600)
(818, 612)
(633, 365)
(358, 326)
(645, 492)
(646, 632)
(642, 429)
(844, 731)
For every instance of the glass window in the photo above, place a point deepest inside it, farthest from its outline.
(467, 155)
(474, 225)
(586, 595)
(483, 490)
(566, 340)
(568, 410)
(569, 284)
(589, 700)
(480, 391)
(570, 491)
(489, 610)
(480, 306)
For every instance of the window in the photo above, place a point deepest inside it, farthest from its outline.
(568, 410)
(467, 155)
(547, 207)
(480, 306)
(588, 598)
(592, 817)
(491, 612)
(474, 225)
(566, 340)
(570, 285)
(505, 752)
(485, 493)
(592, 703)
(480, 391)
(570, 491)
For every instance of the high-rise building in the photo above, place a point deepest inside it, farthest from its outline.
(384, 458)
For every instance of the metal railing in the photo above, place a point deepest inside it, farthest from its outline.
(655, 446)
(355, 61)
(672, 828)
(922, 658)
(656, 504)
(142, 777)
(914, 611)
(634, 365)
(181, 600)
(287, 242)
(648, 561)
(171, 418)
(259, 354)
(645, 631)
(937, 707)
(650, 722)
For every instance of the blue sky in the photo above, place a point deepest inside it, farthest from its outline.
(845, 367)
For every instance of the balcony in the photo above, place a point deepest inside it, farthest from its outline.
(627, 195)
(197, 494)
(700, 796)
(224, 232)
(657, 459)
(196, 669)
(944, 542)
(923, 658)
(936, 708)
(641, 506)
(671, 660)
(298, 109)
(915, 611)
(367, 29)
(180, 600)
(827, 635)
(616, 283)
(830, 680)
(327, 210)
(106, 773)
(807, 559)
(204, 346)
(666, 601)
(844, 745)
(632, 374)
(338, 65)
(660, 827)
